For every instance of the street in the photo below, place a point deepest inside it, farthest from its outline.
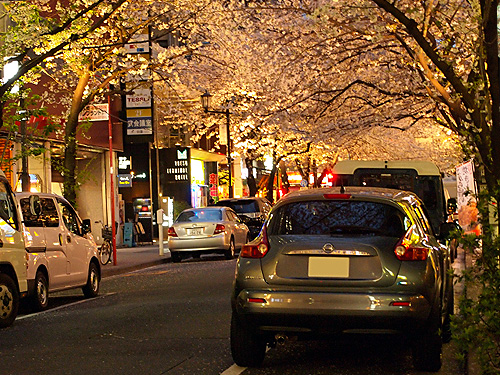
(174, 319)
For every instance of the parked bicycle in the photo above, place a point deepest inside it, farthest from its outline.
(106, 247)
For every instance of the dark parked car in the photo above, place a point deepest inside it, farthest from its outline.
(252, 210)
(330, 261)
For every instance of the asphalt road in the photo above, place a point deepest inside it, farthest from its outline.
(174, 319)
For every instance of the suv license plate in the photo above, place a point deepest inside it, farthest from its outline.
(328, 267)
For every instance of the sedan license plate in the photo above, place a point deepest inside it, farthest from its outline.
(194, 231)
(328, 267)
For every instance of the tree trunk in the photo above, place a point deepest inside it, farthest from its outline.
(252, 185)
(322, 176)
(284, 178)
(303, 173)
(489, 12)
(69, 171)
(270, 185)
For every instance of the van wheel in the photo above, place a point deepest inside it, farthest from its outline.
(9, 300)
(91, 289)
(247, 348)
(40, 299)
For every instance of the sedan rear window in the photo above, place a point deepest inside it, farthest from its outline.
(202, 215)
(337, 218)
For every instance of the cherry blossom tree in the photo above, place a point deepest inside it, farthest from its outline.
(293, 71)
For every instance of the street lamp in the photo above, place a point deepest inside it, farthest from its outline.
(205, 102)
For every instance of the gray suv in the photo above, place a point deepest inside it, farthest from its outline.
(330, 261)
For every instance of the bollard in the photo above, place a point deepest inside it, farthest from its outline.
(159, 220)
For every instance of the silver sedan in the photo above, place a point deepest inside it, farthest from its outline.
(206, 230)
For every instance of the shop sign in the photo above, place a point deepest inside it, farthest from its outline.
(213, 180)
(178, 168)
(466, 185)
(138, 44)
(124, 180)
(124, 162)
(197, 172)
(94, 112)
(140, 98)
(139, 121)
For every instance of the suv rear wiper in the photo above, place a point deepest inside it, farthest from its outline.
(349, 229)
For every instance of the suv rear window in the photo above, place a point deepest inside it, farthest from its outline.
(241, 206)
(338, 218)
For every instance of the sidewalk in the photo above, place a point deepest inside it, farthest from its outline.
(134, 258)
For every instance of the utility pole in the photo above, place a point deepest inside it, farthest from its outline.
(25, 177)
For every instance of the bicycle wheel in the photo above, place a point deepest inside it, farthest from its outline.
(105, 252)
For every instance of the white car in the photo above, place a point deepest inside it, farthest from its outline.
(13, 283)
(206, 230)
(62, 253)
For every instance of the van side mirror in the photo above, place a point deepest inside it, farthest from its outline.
(86, 228)
(35, 206)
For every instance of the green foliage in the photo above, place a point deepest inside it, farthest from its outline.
(180, 206)
(12, 117)
(476, 329)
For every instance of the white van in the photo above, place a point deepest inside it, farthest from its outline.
(62, 253)
(13, 282)
(420, 177)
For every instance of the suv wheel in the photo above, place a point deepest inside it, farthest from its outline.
(428, 344)
(9, 300)
(427, 352)
(450, 310)
(247, 348)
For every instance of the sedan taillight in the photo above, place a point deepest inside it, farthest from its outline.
(406, 248)
(257, 250)
(220, 228)
(171, 232)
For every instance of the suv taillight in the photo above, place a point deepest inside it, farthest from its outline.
(219, 228)
(406, 248)
(257, 250)
(171, 232)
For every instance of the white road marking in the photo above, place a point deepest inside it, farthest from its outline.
(63, 306)
(234, 370)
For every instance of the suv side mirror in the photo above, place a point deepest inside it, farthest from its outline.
(86, 228)
(446, 228)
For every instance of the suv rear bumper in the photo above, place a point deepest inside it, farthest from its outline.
(329, 313)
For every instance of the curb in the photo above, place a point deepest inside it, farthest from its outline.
(110, 270)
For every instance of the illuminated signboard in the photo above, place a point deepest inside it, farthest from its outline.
(124, 162)
(197, 172)
(178, 169)
(124, 180)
